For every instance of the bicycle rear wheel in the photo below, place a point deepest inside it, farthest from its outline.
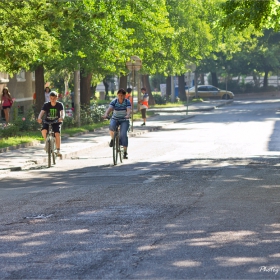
(115, 149)
(49, 151)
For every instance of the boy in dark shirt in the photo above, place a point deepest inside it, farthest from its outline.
(54, 110)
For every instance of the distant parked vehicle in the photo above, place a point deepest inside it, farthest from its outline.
(207, 91)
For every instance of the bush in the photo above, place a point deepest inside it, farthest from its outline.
(159, 99)
(69, 122)
(26, 123)
(92, 114)
(10, 130)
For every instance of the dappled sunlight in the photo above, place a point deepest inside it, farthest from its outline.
(187, 263)
(13, 255)
(218, 239)
(239, 261)
(250, 179)
(25, 236)
(76, 231)
(33, 243)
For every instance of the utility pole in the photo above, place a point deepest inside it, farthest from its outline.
(77, 99)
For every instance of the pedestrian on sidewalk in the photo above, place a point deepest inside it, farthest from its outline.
(121, 108)
(53, 110)
(128, 95)
(6, 103)
(47, 94)
(144, 104)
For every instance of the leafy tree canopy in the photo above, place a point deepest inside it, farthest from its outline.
(243, 13)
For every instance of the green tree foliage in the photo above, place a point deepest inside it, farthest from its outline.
(24, 38)
(261, 14)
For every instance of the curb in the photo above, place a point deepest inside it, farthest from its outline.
(19, 146)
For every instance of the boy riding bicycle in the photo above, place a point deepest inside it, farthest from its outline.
(54, 111)
(121, 108)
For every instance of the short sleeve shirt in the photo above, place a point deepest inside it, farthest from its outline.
(145, 97)
(119, 108)
(52, 112)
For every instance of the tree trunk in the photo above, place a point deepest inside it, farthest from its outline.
(256, 80)
(182, 91)
(146, 84)
(39, 88)
(202, 79)
(106, 85)
(214, 79)
(168, 88)
(123, 82)
(265, 79)
(85, 93)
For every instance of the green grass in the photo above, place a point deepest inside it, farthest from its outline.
(72, 131)
(177, 104)
(168, 105)
(14, 141)
(196, 100)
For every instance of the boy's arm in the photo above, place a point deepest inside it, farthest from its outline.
(40, 116)
(62, 115)
(128, 112)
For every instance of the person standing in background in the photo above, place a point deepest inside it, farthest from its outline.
(144, 104)
(72, 94)
(128, 95)
(47, 94)
(34, 98)
(6, 103)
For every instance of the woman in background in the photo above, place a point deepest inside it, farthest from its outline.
(47, 94)
(6, 102)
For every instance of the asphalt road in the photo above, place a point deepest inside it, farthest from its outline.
(196, 200)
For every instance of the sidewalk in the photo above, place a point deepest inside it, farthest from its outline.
(29, 156)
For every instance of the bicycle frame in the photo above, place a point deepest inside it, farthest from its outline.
(117, 148)
(50, 142)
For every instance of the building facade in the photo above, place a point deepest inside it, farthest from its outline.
(21, 87)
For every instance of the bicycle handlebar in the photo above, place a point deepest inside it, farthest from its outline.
(50, 122)
(124, 119)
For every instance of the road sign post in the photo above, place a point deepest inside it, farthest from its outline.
(133, 65)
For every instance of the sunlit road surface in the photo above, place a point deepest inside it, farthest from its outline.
(198, 199)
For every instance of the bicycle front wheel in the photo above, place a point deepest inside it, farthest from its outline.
(115, 149)
(49, 152)
(53, 151)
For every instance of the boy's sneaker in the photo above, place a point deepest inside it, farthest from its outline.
(58, 154)
(125, 155)
(111, 143)
(143, 124)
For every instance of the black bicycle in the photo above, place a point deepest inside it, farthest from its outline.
(50, 142)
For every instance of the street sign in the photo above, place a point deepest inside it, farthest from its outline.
(135, 63)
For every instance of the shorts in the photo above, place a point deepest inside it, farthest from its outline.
(5, 107)
(143, 112)
(56, 127)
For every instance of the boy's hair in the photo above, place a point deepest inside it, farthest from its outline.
(129, 90)
(121, 90)
(143, 88)
(53, 93)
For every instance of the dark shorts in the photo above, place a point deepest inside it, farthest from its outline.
(143, 112)
(56, 127)
(5, 107)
